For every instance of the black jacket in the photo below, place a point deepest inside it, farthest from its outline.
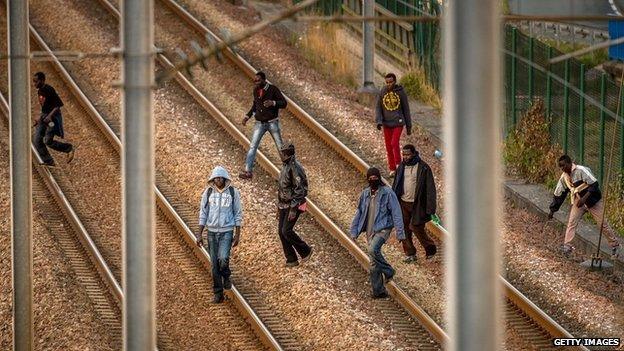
(265, 114)
(425, 193)
(293, 185)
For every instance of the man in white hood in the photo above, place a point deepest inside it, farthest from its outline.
(221, 211)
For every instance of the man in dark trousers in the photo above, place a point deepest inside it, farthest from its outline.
(293, 189)
(392, 113)
(415, 187)
(49, 123)
(267, 100)
(377, 213)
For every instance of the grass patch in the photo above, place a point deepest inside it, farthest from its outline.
(527, 151)
(415, 84)
(591, 59)
(321, 48)
(614, 200)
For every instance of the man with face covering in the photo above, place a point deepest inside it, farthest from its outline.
(221, 211)
(415, 187)
(585, 196)
(292, 192)
(377, 213)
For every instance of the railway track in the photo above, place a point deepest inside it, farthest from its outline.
(525, 317)
(239, 323)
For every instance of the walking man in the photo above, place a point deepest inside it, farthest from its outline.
(415, 188)
(267, 100)
(222, 212)
(49, 123)
(293, 189)
(392, 113)
(585, 196)
(377, 213)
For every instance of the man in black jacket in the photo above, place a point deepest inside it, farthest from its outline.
(292, 192)
(267, 100)
(585, 196)
(415, 187)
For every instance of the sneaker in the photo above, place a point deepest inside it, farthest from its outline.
(245, 175)
(227, 284)
(567, 250)
(218, 298)
(383, 295)
(428, 257)
(50, 164)
(389, 278)
(71, 153)
(410, 259)
(392, 174)
(292, 264)
(307, 258)
(615, 251)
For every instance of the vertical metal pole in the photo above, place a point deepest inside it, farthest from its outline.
(549, 88)
(581, 150)
(566, 105)
(531, 69)
(471, 116)
(368, 67)
(139, 274)
(21, 174)
(615, 124)
(514, 40)
(603, 115)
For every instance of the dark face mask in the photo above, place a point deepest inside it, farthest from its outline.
(374, 183)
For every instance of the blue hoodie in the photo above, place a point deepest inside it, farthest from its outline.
(219, 217)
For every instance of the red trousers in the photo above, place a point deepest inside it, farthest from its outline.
(392, 137)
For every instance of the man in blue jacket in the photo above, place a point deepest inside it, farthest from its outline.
(377, 213)
(222, 212)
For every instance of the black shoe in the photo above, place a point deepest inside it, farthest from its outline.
(227, 284)
(430, 251)
(410, 259)
(218, 298)
(292, 264)
(245, 175)
(305, 259)
(50, 164)
(383, 295)
(71, 153)
(389, 277)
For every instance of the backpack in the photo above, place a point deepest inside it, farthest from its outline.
(207, 205)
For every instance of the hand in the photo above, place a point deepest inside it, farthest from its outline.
(378, 126)
(244, 122)
(292, 213)
(409, 130)
(550, 215)
(200, 241)
(236, 240)
(47, 120)
(268, 103)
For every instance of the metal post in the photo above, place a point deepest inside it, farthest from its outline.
(139, 273)
(514, 40)
(621, 132)
(21, 174)
(581, 150)
(471, 118)
(368, 67)
(549, 88)
(603, 115)
(531, 69)
(566, 106)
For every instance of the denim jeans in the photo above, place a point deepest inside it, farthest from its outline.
(220, 246)
(379, 266)
(260, 128)
(43, 138)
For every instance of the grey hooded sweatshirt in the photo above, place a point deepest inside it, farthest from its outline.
(217, 213)
(392, 108)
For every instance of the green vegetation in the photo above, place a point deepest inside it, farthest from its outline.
(591, 59)
(416, 86)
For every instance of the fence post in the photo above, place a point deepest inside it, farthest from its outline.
(430, 48)
(549, 89)
(566, 106)
(621, 134)
(603, 101)
(514, 39)
(582, 115)
(531, 70)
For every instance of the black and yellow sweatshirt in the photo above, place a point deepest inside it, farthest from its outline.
(392, 108)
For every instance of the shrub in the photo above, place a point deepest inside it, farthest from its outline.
(416, 85)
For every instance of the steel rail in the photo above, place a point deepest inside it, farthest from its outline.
(515, 296)
(241, 303)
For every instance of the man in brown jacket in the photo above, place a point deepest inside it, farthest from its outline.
(415, 187)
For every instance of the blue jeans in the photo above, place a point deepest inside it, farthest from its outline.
(220, 245)
(260, 128)
(379, 266)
